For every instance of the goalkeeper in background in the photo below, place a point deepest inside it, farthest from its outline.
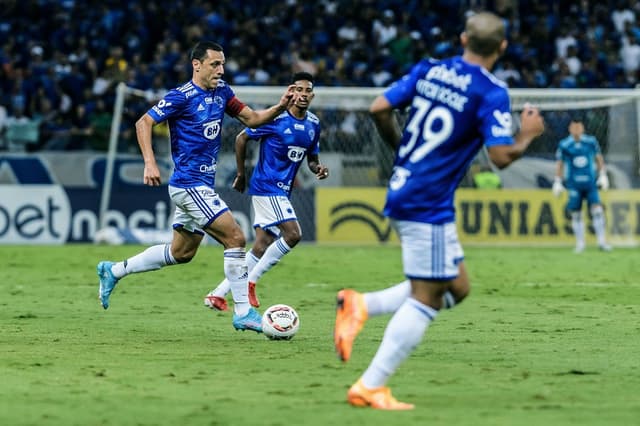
(580, 168)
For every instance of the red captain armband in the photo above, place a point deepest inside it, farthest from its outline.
(234, 106)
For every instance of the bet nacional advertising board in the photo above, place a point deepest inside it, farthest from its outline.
(503, 216)
(55, 199)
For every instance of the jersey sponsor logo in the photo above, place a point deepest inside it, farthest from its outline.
(212, 129)
(208, 168)
(504, 121)
(200, 107)
(284, 186)
(399, 178)
(158, 111)
(158, 107)
(298, 126)
(449, 76)
(190, 93)
(208, 100)
(296, 153)
(287, 131)
(580, 161)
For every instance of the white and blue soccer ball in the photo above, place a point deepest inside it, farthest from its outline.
(280, 322)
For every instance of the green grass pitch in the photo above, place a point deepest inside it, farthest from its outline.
(545, 338)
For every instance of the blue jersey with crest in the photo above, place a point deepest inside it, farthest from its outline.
(284, 143)
(579, 159)
(194, 116)
(454, 108)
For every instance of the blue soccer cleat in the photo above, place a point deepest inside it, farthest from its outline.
(251, 321)
(107, 282)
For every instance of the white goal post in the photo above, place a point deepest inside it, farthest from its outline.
(613, 115)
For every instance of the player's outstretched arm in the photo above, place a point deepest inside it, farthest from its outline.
(385, 120)
(144, 127)
(252, 118)
(532, 126)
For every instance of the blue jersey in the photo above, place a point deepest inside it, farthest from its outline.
(579, 160)
(454, 108)
(284, 143)
(195, 118)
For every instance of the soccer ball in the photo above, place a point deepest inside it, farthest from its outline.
(280, 322)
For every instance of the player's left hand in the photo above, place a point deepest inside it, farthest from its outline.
(322, 172)
(239, 183)
(603, 181)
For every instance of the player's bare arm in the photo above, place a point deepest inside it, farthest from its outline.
(384, 118)
(252, 118)
(532, 126)
(321, 171)
(240, 181)
(144, 127)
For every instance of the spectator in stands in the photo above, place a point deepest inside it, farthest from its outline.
(384, 30)
(621, 14)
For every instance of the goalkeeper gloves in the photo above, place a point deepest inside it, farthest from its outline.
(603, 180)
(557, 187)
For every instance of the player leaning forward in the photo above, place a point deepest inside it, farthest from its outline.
(284, 144)
(194, 112)
(456, 107)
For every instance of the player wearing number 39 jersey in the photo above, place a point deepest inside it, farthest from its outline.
(455, 106)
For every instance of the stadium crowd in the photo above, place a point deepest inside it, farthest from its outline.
(57, 78)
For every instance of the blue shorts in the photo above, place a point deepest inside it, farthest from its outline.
(577, 196)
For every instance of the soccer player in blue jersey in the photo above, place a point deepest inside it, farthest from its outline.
(284, 144)
(194, 112)
(455, 107)
(581, 166)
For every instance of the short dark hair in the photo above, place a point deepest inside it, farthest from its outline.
(302, 75)
(199, 51)
(576, 117)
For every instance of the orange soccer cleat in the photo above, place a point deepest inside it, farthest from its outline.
(351, 313)
(378, 398)
(253, 298)
(216, 302)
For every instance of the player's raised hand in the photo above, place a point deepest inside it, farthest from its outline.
(531, 121)
(151, 175)
(288, 97)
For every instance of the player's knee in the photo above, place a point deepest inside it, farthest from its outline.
(184, 256)
(596, 210)
(292, 237)
(236, 239)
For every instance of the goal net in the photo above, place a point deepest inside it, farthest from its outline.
(352, 149)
